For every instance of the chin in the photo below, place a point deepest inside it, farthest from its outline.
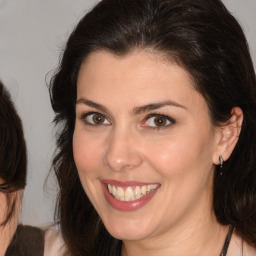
(127, 235)
(128, 231)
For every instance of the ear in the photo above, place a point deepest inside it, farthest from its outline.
(227, 135)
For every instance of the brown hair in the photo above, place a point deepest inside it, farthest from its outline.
(13, 156)
(205, 39)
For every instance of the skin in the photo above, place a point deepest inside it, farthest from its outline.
(128, 146)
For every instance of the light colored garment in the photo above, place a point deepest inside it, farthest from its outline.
(238, 247)
(54, 244)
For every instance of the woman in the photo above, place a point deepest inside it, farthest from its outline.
(14, 239)
(156, 100)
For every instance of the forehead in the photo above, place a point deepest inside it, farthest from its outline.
(139, 77)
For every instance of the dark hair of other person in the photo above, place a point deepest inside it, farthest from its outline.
(204, 39)
(13, 154)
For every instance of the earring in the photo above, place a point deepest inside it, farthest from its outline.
(221, 161)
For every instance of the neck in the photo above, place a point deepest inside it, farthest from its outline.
(7, 231)
(202, 235)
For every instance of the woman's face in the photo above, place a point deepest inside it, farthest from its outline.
(143, 144)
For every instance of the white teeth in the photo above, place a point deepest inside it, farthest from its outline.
(120, 193)
(110, 188)
(113, 190)
(137, 192)
(154, 186)
(130, 193)
(144, 190)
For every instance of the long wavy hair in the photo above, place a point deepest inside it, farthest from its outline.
(203, 38)
(13, 154)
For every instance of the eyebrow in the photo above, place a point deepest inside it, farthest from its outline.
(93, 105)
(136, 110)
(154, 106)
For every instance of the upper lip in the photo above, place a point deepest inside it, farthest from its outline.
(126, 183)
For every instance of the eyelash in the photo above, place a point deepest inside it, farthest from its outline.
(158, 115)
(171, 121)
(84, 117)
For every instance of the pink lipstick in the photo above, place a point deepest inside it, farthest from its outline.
(128, 196)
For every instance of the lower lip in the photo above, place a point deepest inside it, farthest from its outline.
(128, 205)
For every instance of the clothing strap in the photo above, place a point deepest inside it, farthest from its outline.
(227, 241)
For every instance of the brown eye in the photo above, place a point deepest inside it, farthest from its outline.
(158, 121)
(96, 119)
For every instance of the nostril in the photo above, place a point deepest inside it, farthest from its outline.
(126, 162)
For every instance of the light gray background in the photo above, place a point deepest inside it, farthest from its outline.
(32, 34)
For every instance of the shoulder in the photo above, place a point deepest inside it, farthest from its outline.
(27, 241)
(248, 250)
(54, 244)
(239, 247)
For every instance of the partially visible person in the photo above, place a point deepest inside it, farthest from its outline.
(15, 239)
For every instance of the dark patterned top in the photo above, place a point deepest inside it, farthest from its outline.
(27, 241)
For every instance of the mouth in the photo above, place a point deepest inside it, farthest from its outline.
(128, 196)
(130, 193)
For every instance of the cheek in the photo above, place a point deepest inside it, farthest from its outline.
(87, 159)
(2, 206)
(184, 154)
(168, 158)
(87, 153)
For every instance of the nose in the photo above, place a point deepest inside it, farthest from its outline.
(122, 152)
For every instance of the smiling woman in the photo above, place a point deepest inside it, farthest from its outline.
(157, 102)
(13, 164)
